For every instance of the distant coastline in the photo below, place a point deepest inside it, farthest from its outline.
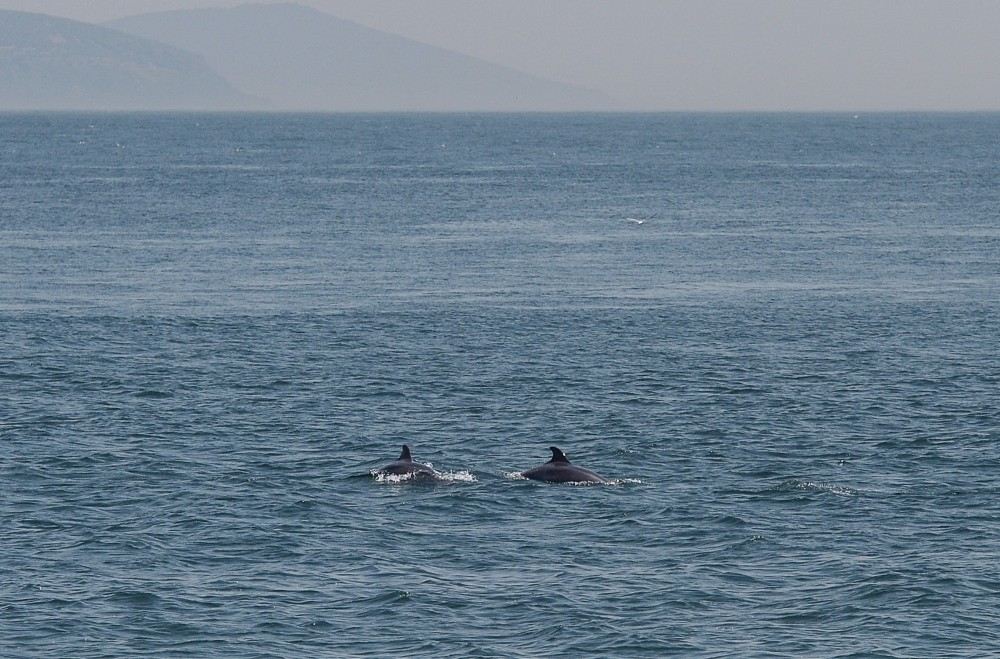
(285, 58)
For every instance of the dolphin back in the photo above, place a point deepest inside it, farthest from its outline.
(405, 465)
(559, 470)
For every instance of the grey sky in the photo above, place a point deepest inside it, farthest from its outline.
(694, 54)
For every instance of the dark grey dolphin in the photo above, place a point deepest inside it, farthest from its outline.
(559, 470)
(405, 465)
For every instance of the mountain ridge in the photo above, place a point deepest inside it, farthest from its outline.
(299, 58)
(53, 63)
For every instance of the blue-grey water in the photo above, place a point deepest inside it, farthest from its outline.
(777, 333)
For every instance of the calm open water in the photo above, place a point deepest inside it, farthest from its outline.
(779, 333)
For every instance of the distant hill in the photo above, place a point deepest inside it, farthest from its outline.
(49, 63)
(299, 58)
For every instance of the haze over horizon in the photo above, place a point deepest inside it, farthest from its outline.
(854, 55)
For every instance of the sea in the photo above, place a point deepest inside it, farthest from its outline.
(776, 335)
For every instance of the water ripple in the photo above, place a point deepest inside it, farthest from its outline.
(790, 370)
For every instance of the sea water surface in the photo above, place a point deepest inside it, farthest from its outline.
(778, 334)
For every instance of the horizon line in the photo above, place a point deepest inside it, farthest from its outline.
(749, 111)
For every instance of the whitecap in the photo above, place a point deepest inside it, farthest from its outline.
(461, 476)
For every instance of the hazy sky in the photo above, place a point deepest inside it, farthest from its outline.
(694, 54)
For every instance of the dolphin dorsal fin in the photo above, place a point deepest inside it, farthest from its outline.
(405, 455)
(558, 456)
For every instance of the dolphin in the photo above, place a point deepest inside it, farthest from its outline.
(559, 470)
(404, 465)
